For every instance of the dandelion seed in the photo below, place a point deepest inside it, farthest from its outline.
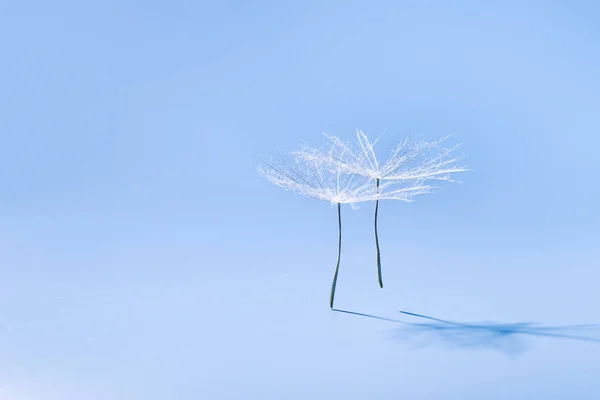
(319, 180)
(405, 173)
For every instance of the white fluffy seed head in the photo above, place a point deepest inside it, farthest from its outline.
(406, 172)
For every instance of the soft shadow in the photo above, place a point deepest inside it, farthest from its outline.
(506, 337)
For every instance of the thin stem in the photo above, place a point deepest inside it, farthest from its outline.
(379, 277)
(337, 267)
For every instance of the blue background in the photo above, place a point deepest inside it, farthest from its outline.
(142, 257)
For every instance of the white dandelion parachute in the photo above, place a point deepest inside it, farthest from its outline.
(409, 168)
(323, 178)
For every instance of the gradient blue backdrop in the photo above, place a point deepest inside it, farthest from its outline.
(141, 256)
